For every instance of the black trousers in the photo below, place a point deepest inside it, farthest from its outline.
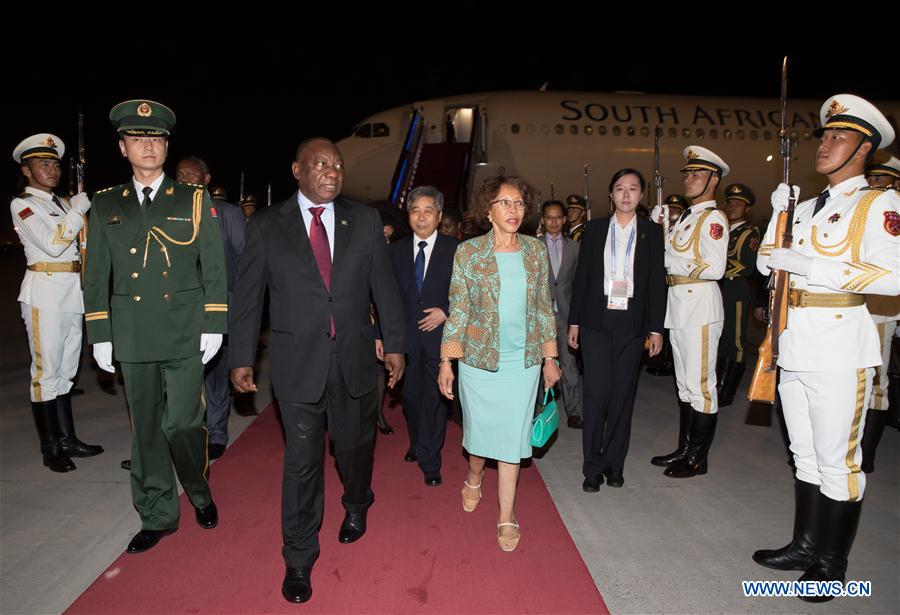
(611, 367)
(426, 415)
(351, 427)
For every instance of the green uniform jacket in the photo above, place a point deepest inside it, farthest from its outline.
(154, 280)
(743, 242)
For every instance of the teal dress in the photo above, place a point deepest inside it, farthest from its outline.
(498, 406)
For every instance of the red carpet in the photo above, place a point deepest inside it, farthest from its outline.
(421, 554)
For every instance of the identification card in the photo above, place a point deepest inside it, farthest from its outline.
(618, 295)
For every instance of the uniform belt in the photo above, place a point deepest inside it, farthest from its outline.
(804, 299)
(676, 280)
(70, 267)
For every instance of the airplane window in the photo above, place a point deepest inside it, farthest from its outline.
(630, 131)
(381, 130)
(673, 133)
(699, 133)
(740, 134)
(713, 133)
(364, 131)
(602, 131)
(794, 135)
(617, 130)
(559, 129)
(588, 130)
(514, 129)
(754, 135)
(645, 132)
(687, 133)
(573, 129)
(727, 134)
(807, 136)
(767, 135)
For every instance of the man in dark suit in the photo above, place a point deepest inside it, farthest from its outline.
(563, 254)
(422, 264)
(321, 257)
(233, 226)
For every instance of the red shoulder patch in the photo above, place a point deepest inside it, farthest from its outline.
(212, 211)
(891, 223)
(716, 230)
(27, 212)
(754, 244)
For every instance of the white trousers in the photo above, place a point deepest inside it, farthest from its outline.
(825, 413)
(694, 356)
(55, 342)
(881, 382)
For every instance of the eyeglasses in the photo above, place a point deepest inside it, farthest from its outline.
(508, 204)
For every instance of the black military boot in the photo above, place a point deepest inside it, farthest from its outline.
(720, 372)
(44, 413)
(703, 430)
(69, 443)
(798, 554)
(685, 413)
(875, 422)
(893, 416)
(837, 529)
(732, 373)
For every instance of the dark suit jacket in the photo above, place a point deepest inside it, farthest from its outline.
(435, 289)
(648, 306)
(561, 284)
(233, 225)
(278, 255)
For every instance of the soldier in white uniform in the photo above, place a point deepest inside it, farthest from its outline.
(696, 256)
(846, 242)
(50, 296)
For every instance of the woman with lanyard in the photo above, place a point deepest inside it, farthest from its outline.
(618, 302)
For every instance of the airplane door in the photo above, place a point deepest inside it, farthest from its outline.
(459, 124)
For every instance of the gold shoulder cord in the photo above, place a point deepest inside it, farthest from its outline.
(854, 236)
(155, 231)
(694, 239)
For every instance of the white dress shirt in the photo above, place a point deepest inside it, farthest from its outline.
(428, 248)
(327, 218)
(622, 236)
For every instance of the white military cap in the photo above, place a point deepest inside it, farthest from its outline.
(701, 159)
(42, 145)
(849, 112)
(884, 164)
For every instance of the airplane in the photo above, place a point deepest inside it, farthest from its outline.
(572, 142)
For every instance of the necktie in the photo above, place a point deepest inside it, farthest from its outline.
(684, 214)
(820, 202)
(554, 255)
(420, 265)
(318, 239)
(58, 204)
(145, 204)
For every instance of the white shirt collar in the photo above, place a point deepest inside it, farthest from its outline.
(857, 181)
(429, 240)
(154, 187)
(38, 192)
(703, 205)
(737, 224)
(305, 203)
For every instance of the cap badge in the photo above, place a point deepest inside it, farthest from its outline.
(144, 110)
(836, 108)
(692, 154)
(49, 142)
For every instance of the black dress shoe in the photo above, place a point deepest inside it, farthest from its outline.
(296, 586)
(208, 517)
(215, 451)
(433, 479)
(385, 428)
(575, 422)
(410, 456)
(614, 479)
(353, 527)
(147, 539)
(126, 464)
(592, 484)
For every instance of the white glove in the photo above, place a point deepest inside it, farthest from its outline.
(80, 203)
(657, 211)
(209, 345)
(790, 261)
(103, 354)
(781, 195)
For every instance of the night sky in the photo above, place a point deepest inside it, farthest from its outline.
(247, 107)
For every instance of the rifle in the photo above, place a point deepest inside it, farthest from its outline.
(762, 387)
(241, 193)
(269, 195)
(79, 187)
(658, 181)
(587, 192)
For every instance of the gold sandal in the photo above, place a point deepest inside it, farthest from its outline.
(508, 543)
(470, 504)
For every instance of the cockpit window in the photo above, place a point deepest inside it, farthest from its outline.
(380, 130)
(364, 131)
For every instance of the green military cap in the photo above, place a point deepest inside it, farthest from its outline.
(249, 200)
(142, 118)
(573, 200)
(740, 192)
(219, 193)
(676, 200)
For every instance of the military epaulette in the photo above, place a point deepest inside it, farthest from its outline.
(24, 195)
(110, 189)
(711, 208)
(879, 188)
(192, 185)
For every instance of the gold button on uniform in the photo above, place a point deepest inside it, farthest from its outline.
(166, 296)
(801, 242)
(793, 284)
(137, 297)
(134, 275)
(838, 316)
(133, 251)
(165, 274)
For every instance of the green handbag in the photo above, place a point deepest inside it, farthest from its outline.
(544, 424)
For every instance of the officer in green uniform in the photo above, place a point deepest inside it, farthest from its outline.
(155, 291)
(576, 216)
(743, 242)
